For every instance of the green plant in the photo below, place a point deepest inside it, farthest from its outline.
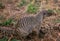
(32, 8)
(7, 22)
(4, 39)
(2, 6)
(50, 11)
(15, 40)
(47, 1)
(22, 3)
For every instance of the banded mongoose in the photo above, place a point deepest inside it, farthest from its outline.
(27, 24)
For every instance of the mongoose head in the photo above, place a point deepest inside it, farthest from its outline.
(43, 14)
(47, 13)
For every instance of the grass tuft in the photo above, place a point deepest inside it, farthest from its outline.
(32, 8)
(22, 3)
